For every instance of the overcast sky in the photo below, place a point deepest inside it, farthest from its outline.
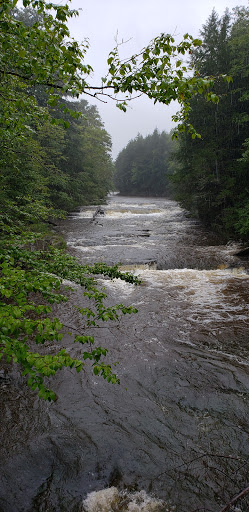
(138, 21)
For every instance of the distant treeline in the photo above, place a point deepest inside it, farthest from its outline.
(209, 175)
(143, 166)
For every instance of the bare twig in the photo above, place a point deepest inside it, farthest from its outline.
(95, 96)
(202, 456)
(240, 495)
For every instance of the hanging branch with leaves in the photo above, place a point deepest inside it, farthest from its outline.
(45, 54)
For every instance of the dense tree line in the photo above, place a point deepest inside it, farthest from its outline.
(56, 167)
(142, 168)
(50, 161)
(85, 167)
(211, 173)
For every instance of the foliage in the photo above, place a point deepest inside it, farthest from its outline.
(86, 161)
(160, 72)
(43, 53)
(41, 133)
(32, 281)
(211, 174)
(142, 167)
(45, 169)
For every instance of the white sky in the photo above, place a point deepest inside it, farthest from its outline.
(140, 21)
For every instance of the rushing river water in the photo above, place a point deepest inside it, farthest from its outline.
(174, 435)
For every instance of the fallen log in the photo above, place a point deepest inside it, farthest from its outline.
(99, 211)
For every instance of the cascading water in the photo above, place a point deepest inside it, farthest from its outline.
(174, 435)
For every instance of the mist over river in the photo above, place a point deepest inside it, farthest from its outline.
(174, 435)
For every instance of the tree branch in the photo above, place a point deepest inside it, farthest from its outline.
(95, 96)
(240, 495)
(28, 78)
(87, 92)
(49, 84)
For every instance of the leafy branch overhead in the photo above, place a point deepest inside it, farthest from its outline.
(160, 72)
(45, 54)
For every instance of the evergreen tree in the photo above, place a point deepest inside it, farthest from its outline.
(142, 167)
(208, 175)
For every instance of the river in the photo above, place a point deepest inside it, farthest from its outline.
(174, 435)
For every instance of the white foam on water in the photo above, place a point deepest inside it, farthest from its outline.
(120, 213)
(202, 292)
(106, 247)
(101, 501)
(80, 247)
(136, 212)
(84, 214)
(117, 285)
(112, 500)
(191, 279)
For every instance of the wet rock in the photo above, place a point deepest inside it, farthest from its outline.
(243, 252)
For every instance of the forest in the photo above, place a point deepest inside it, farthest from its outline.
(142, 168)
(208, 174)
(48, 147)
(55, 156)
(211, 174)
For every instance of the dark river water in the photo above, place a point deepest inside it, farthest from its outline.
(174, 435)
